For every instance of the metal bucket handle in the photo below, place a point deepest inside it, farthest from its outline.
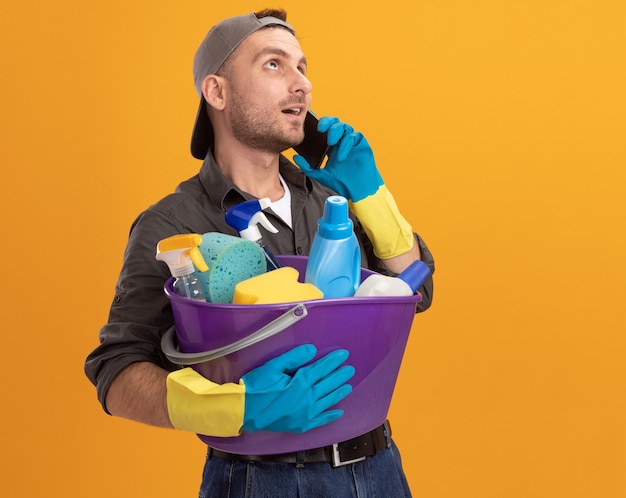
(168, 341)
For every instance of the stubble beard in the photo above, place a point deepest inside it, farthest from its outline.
(251, 127)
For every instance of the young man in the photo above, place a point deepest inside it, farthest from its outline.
(250, 75)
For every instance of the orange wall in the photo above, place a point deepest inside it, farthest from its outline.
(499, 126)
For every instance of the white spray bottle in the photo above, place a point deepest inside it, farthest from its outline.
(245, 218)
(181, 252)
(405, 284)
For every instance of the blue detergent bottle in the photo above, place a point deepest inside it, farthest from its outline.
(334, 264)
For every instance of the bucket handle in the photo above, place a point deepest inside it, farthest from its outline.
(168, 341)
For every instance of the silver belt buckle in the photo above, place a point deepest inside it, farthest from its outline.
(337, 462)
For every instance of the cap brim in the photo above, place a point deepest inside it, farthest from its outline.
(202, 136)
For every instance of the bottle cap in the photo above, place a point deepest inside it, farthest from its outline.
(335, 223)
(415, 274)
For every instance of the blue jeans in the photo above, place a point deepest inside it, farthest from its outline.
(379, 476)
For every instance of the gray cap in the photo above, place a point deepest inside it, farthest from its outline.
(219, 43)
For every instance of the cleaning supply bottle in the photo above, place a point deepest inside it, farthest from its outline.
(334, 264)
(405, 284)
(245, 217)
(181, 252)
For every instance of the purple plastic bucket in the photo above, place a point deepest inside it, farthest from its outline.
(374, 329)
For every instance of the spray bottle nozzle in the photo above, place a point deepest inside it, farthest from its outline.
(178, 251)
(245, 217)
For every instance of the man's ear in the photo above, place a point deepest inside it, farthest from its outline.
(213, 89)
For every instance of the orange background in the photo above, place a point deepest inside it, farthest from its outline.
(499, 127)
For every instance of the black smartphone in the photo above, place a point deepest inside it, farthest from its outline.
(314, 146)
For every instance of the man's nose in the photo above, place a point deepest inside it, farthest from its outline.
(301, 83)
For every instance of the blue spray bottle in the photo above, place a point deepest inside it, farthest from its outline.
(334, 264)
(245, 217)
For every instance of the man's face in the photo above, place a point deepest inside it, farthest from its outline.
(269, 92)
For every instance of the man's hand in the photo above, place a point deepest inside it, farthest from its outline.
(281, 395)
(351, 172)
(284, 396)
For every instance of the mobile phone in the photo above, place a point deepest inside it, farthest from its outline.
(314, 147)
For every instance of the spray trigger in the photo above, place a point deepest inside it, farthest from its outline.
(263, 221)
(198, 260)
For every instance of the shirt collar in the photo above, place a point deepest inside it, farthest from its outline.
(224, 193)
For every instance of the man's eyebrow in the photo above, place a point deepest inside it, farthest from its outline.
(276, 51)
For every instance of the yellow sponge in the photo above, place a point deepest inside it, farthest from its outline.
(277, 286)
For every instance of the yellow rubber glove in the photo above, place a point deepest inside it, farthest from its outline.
(198, 405)
(286, 394)
(390, 233)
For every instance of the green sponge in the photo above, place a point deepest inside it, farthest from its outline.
(230, 260)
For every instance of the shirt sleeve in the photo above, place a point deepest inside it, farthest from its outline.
(427, 287)
(140, 312)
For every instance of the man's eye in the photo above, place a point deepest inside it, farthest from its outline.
(271, 65)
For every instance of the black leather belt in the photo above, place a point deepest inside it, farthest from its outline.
(344, 453)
